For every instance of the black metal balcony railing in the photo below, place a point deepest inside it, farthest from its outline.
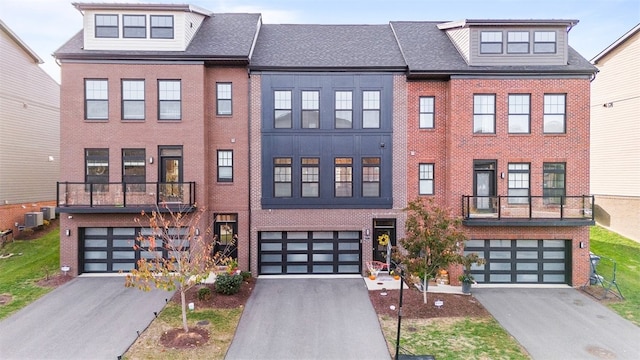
(125, 195)
(574, 209)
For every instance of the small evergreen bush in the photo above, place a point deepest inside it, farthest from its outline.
(204, 293)
(228, 284)
(245, 275)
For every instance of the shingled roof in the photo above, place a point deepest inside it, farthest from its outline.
(327, 47)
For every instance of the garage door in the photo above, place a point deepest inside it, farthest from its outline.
(522, 261)
(111, 250)
(309, 252)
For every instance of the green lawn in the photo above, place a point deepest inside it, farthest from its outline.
(626, 254)
(32, 261)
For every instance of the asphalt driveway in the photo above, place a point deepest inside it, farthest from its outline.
(86, 318)
(561, 323)
(312, 318)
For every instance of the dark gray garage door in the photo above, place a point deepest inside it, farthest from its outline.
(522, 261)
(309, 252)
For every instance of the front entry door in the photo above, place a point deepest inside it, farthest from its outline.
(484, 184)
(382, 227)
(225, 229)
(171, 174)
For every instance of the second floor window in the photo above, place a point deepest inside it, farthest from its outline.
(169, 100)
(96, 94)
(133, 169)
(519, 110)
(223, 99)
(553, 183)
(554, 113)
(310, 177)
(491, 42)
(225, 165)
(134, 26)
(371, 177)
(484, 114)
(310, 109)
(161, 27)
(426, 112)
(106, 26)
(426, 179)
(344, 110)
(133, 99)
(371, 109)
(544, 42)
(282, 109)
(343, 177)
(97, 168)
(518, 183)
(282, 177)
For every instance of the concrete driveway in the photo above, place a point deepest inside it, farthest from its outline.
(561, 323)
(87, 318)
(312, 318)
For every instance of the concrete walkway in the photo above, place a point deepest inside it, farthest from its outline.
(312, 318)
(561, 323)
(86, 318)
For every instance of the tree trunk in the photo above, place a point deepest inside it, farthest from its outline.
(183, 300)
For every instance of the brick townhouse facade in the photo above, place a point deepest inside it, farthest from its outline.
(308, 141)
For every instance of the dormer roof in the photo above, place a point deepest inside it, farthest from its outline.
(142, 7)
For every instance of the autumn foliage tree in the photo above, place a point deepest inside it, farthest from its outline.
(433, 240)
(174, 254)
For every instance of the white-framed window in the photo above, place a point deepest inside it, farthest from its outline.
(517, 42)
(491, 42)
(310, 109)
(427, 112)
(519, 113)
(225, 165)
(371, 109)
(133, 99)
(161, 26)
(554, 113)
(223, 99)
(282, 109)
(106, 26)
(169, 100)
(134, 26)
(425, 178)
(544, 42)
(344, 110)
(484, 114)
(96, 99)
(519, 183)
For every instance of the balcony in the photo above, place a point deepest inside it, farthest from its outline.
(528, 211)
(76, 197)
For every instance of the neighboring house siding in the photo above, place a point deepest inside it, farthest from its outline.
(30, 128)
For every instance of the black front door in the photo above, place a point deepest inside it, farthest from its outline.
(484, 184)
(171, 174)
(225, 229)
(383, 229)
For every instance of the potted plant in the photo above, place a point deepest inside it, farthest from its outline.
(466, 280)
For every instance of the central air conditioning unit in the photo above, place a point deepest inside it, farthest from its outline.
(33, 219)
(49, 212)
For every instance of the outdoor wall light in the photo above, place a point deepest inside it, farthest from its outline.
(502, 175)
(150, 159)
(67, 232)
(582, 245)
(197, 232)
(367, 232)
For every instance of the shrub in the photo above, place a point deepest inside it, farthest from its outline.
(204, 293)
(245, 275)
(228, 284)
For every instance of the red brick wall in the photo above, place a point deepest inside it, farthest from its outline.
(14, 213)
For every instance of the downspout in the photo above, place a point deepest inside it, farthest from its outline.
(249, 162)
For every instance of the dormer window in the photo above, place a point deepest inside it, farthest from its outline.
(161, 26)
(518, 42)
(134, 26)
(106, 26)
(544, 42)
(491, 42)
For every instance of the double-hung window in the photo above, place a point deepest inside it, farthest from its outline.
(310, 177)
(169, 100)
(544, 42)
(225, 165)
(484, 114)
(106, 26)
(133, 99)
(96, 97)
(97, 169)
(223, 99)
(517, 42)
(371, 109)
(282, 179)
(425, 175)
(282, 109)
(491, 42)
(134, 26)
(554, 113)
(344, 110)
(133, 169)
(343, 179)
(519, 113)
(310, 109)
(427, 112)
(553, 182)
(161, 26)
(518, 183)
(371, 177)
